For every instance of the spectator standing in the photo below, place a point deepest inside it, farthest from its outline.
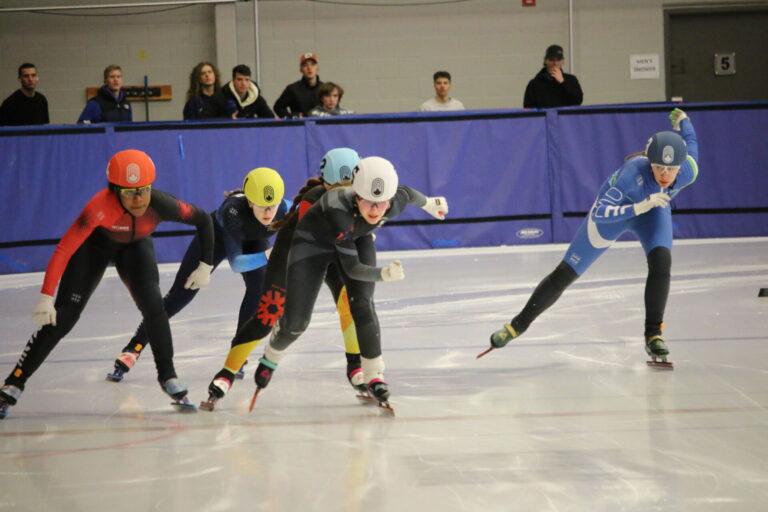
(242, 96)
(202, 100)
(551, 87)
(442, 100)
(300, 97)
(110, 104)
(25, 106)
(330, 97)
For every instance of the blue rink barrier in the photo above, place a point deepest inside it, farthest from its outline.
(511, 176)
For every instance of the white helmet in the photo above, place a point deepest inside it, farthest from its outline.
(375, 179)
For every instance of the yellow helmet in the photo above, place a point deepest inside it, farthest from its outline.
(264, 187)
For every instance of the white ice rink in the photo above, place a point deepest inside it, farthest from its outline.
(566, 418)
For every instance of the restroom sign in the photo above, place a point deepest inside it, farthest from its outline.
(644, 66)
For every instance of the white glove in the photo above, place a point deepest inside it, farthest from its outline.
(676, 116)
(44, 312)
(436, 207)
(393, 272)
(652, 201)
(200, 277)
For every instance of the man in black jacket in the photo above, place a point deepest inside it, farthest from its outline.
(25, 106)
(242, 96)
(300, 97)
(551, 87)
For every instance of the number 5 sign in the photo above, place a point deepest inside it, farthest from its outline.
(725, 63)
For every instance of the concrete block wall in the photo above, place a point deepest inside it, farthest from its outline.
(383, 56)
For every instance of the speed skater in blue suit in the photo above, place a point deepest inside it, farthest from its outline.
(634, 198)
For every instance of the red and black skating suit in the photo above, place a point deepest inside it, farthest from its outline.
(105, 233)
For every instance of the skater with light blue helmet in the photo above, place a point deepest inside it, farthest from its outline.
(634, 198)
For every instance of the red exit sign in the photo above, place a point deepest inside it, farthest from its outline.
(529, 3)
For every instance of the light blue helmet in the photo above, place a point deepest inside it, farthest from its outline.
(666, 148)
(337, 165)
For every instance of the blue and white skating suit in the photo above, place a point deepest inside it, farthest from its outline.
(612, 212)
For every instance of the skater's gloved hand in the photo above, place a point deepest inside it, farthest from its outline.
(436, 207)
(44, 312)
(200, 277)
(393, 272)
(676, 116)
(652, 201)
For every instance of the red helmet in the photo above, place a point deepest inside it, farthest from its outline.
(131, 168)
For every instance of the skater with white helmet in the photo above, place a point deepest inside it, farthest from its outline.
(241, 235)
(335, 171)
(114, 227)
(329, 233)
(634, 198)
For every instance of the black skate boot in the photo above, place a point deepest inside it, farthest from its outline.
(379, 390)
(217, 389)
(263, 375)
(657, 349)
(123, 365)
(9, 395)
(178, 391)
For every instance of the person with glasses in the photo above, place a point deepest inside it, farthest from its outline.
(114, 227)
(329, 233)
(241, 235)
(634, 198)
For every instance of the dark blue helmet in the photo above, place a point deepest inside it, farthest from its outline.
(666, 148)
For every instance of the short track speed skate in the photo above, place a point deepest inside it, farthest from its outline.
(178, 392)
(217, 389)
(657, 349)
(356, 380)
(123, 365)
(9, 395)
(378, 390)
(500, 338)
(263, 375)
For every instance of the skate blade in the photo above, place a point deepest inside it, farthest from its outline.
(207, 405)
(481, 354)
(661, 365)
(184, 405)
(253, 400)
(366, 399)
(114, 377)
(386, 408)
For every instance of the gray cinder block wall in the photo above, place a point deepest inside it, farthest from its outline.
(384, 57)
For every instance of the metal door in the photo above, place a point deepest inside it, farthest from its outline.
(717, 56)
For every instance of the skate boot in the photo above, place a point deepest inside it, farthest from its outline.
(178, 391)
(240, 375)
(657, 349)
(379, 390)
(500, 338)
(355, 373)
(9, 395)
(355, 378)
(217, 389)
(123, 365)
(263, 375)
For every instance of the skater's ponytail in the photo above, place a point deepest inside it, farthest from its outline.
(311, 183)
